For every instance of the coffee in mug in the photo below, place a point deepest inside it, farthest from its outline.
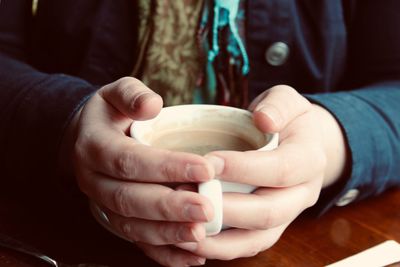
(201, 129)
(200, 141)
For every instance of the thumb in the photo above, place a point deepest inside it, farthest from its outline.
(132, 98)
(277, 107)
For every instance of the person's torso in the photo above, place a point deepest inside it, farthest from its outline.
(301, 43)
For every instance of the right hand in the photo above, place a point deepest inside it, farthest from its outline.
(129, 180)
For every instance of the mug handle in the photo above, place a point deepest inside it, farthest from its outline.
(213, 191)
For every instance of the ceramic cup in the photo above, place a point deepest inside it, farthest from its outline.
(200, 129)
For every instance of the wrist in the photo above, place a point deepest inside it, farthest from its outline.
(335, 146)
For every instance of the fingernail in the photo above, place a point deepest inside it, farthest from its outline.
(272, 112)
(189, 246)
(197, 173)
(217, 162)
(195, 213)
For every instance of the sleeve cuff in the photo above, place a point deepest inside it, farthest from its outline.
(365, 132)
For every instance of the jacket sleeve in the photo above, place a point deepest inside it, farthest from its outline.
(369, 112)
(370, 118)
(35, 107)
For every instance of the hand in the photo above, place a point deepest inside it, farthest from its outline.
(129, 180)
(289, 178)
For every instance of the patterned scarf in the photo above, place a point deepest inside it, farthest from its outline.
(190, 51)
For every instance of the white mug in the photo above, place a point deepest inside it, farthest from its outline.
(225, 120)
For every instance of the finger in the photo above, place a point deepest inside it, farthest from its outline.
(171, 256)
(235, 243)
(121, 157)
(282, 167)
(270, 207)
(155, 232)
(277, 107)
(146, 201)
(104, 147)
(132, 98)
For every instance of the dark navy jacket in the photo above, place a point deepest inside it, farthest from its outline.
(344, 55)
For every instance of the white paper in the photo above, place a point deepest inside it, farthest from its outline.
(380, 255)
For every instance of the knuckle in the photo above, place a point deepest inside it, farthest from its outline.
(128, 84)
(128, 87)
(164, 234)
(125, 165)
(125, 91)
(168, 172)
(122, 86)
(169, 233)
(165, 206)
(120, 200)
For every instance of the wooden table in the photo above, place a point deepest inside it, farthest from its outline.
(61, 226)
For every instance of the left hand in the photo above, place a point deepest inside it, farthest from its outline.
(289, 178)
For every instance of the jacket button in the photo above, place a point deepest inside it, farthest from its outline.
(347, 198)
(277, 54)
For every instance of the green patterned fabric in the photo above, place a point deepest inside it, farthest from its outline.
(168, 60)
(176, 39)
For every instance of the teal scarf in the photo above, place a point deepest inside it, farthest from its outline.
(224, 55)
(225, 13)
